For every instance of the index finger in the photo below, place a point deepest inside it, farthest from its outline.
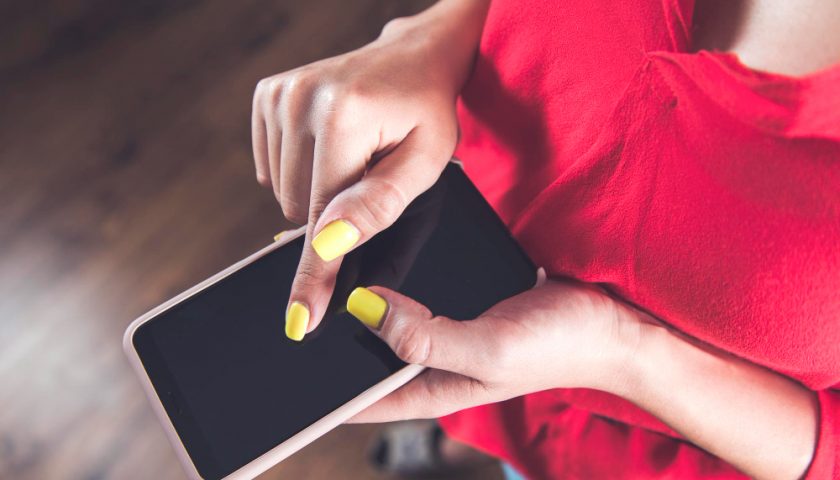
(357, 213)
(335, 166)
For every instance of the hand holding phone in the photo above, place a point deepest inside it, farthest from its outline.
(237, 396)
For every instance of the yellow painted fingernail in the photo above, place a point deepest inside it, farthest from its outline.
(297, 319)
(367, 306)
(334, 240)
(279, 236)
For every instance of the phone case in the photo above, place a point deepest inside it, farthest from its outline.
(290, 446)
(307, 435)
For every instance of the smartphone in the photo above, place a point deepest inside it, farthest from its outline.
(236, 396)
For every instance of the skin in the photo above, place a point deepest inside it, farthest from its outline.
(791, 38)
(324, 164)
(760, 422)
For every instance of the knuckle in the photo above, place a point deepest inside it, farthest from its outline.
(296, 217)
(299, 83)
(268, 88)
(318, 202)
(381, 203)
(393, 26)
(263, 179)
(338, 109)
(307, 275)
(293, 210)
(412, 345)
(261, 87)
(257, 99)
(274, 93)
(290, 94)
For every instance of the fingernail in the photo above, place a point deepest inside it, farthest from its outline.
(334, 240)
(297, 319)
(367, 306)
(279, 236)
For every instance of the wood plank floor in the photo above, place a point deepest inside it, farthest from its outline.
(126, 177)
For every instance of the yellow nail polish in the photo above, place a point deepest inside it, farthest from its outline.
(334, 240)
(279, 236)
(367, 306)
(297, 319)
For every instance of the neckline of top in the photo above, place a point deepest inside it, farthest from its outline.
(792, 106)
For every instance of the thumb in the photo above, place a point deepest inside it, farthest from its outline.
(419, 337)
(376, 201)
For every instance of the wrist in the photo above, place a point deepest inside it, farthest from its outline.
(658, 359)
(461, 19)
(444, 38)
(639, 346)
(759, 421)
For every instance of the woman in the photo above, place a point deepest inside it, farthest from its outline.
(683, 200)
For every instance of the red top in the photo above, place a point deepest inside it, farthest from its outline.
(686, 183)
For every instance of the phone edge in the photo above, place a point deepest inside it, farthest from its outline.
(306, 436)
(284, 449)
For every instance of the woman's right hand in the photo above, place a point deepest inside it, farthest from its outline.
(348, 142)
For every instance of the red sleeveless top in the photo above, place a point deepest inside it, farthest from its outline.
(686, 183)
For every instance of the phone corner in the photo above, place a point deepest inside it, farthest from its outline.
(128, 337)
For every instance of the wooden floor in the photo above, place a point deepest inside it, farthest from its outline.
(126, 177)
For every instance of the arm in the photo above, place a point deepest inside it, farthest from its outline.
(759, 421)
(451, 30)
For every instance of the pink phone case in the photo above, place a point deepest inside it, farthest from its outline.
(290, 446)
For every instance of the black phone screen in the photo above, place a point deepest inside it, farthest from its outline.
(234, 386)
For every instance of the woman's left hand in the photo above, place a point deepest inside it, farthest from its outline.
(557, 335)
(563, 335)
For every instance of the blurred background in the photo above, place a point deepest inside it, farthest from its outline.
(126, 177)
